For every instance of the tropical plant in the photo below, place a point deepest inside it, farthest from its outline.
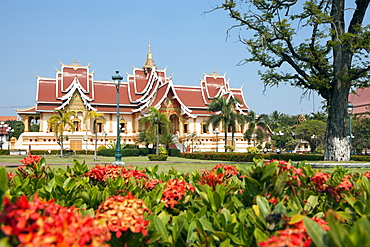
(312, 131)
(59, 124)
(274, 120)
(157, 120)
(325, 45)
(95, 117)
(225, 114)
(167, 137)
(361, 132)
(269, 203)
(257, 127)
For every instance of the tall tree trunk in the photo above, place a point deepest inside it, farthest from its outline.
(96, 145)
(61, 146)
(225, 130)
(336, 142)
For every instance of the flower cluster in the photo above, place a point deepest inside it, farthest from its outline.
(152, 183)
(295, 235)
(293, 173)
(31, 160)
(320, 181)
(44, 223)
(174, 191)
(345, 184)
(218, 175)
(367, 175)
(101, 173)
(322, 185)
(123, 213)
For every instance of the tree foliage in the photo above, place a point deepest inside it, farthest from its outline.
(226, 114)
(257, 127)
(312, 131)
(318, 45)
(95, 117)
(361, 132)
(59, 124)
(158, 121)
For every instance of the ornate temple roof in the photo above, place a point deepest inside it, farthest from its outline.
(144, 88)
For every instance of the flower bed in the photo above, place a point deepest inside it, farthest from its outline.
(274, 203)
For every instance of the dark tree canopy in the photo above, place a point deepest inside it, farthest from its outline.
(320, 45)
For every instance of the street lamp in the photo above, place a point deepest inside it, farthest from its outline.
(350, 111)
(105, 138)
(117, 81)
(216, 132)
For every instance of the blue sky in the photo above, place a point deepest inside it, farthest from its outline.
(36, 36)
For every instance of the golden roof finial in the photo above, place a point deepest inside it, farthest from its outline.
(149, 63)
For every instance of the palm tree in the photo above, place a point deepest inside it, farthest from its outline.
(256, 126)
(95, 116)
(60, 123)
(157, 120)
(167, 137)
(226, 114)
(274, 120)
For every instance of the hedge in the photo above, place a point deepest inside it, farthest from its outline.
(160, 157)
(173, 152)
(248, 157)
(130, 152)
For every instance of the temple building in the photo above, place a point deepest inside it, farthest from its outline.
(360, 101)
(75, 89)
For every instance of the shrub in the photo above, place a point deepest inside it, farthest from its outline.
(160, 157)
(173, 152)
(143, 152)
(4, 152)
(162, 151)
(130, 152)
(107, 152)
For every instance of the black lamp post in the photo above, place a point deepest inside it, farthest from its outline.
(350, 111)
(117, 81)
(216, 131)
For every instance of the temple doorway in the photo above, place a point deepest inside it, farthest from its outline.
(175, 123)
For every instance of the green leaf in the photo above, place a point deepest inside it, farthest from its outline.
(161, 228)
(269, 171)
(312, 202)
(279, 184)
(3, 183)
(315, 231)
(263, 205)
(225, 243)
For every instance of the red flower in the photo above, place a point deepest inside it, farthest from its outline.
(123, 213)
(174, 191)
(320, 179)
(367, 174)
(218, 175)
(101, 173)
(31, 160)
(295, 235)
(44, 223)
(345, 184)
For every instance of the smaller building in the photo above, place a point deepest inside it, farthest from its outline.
(360, 101)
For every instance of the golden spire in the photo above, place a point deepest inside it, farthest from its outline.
(149, 63)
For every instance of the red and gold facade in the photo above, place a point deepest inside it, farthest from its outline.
(75, 89)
